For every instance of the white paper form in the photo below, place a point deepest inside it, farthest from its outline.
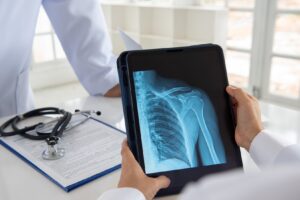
(90, 149)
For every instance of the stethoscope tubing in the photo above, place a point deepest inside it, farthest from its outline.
(57, 130)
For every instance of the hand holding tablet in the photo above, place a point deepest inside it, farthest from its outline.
(249, 125)
(178, 116)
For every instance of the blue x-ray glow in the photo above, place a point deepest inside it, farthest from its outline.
(178, 124)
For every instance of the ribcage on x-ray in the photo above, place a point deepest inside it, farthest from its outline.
(165, 130)
(178, 124)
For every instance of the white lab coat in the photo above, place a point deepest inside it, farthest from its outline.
(279, 178)
(79, 25)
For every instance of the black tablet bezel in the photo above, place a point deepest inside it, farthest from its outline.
(179, 177)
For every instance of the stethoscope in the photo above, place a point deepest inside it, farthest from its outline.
(50, 131)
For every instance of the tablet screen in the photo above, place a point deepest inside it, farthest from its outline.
(178, 124)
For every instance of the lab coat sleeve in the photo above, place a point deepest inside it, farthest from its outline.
(122, 194)
(265, 150)
(276, 184)
(82, 31)
(280, 182)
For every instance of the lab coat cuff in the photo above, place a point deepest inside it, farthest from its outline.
(110, 80)
(264, 149)
(122, 193)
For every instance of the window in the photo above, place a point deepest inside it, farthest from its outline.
(239, 43)
(238, 66)
(263, 48)
(262, 53)
(285, 77)
(282, 55)
(49, 66)
(46, 47)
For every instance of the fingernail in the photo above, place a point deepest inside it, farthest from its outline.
(232, 87)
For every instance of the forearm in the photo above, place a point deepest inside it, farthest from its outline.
(266, 150)
(82, 31)
(276, 184)
(122, 193)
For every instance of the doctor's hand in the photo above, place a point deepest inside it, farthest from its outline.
(114, 92)
(247, 114)
(133, 176)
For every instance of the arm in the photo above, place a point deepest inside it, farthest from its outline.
(276, 184)
(282, 182)
(249, 134)
(275, 154)
(122, 193)
(133, 182)
(81, 28)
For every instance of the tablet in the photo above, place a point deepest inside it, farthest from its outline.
(178, 116)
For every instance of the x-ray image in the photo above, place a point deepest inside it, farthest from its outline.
(178, 123)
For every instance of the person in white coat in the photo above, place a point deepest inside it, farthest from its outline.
(280, 181)
(81, 29)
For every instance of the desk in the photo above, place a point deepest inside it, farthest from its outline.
(19, 181)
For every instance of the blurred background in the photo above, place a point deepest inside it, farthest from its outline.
(260, 39)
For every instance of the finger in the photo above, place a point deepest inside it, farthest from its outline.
(233, 101)
(162, 182)
(128, 160)
(125, 148)
(126, 152)
(237, 93)
(251, 97)
(124, 143)
(234, 87)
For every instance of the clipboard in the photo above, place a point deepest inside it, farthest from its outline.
(100, 162)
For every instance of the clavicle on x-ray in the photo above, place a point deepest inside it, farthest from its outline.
(178, 123)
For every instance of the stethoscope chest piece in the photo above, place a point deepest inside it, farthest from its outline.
(53, 152)
(52, 130)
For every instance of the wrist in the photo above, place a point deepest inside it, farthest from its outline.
(252, 135)
(113, 92)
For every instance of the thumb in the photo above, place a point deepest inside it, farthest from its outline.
(162, 182)
(237, 93)
(128, 159)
